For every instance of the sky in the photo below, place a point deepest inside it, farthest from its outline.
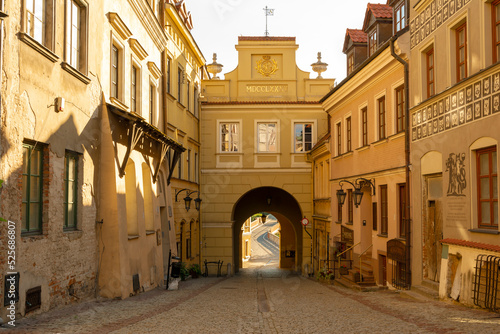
(318, 25)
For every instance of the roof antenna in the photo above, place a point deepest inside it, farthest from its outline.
(269, 12)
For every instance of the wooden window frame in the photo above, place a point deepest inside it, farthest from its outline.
(430, 72)
(75, 157)
(339, 138)
(350, 63)
(384, 214)
(382, 134)
(490, 176)
(400, 109)
(179, 84)
(458, 30)
(306, 144)
(348, 134)
(372, 42)
(26, 188)
(135, 84)
(495, 22)
(402, 209)
(401, 23)
(364, 126)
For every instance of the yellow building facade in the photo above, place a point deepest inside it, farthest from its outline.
(257, 126)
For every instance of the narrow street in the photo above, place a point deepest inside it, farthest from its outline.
(264, 252)
(263, 299)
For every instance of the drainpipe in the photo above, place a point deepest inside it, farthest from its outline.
(407, 166)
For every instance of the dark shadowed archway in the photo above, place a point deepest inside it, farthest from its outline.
(284, 207)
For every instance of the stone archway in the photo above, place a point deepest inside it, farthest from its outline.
(285, 208)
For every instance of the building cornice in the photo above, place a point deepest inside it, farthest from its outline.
(150, 23)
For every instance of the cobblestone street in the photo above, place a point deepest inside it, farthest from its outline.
(263, 299)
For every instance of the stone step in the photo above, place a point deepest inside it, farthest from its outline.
(342, 281)
(431, 284)
(421, 292)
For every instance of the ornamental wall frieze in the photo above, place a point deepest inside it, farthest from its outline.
(432, 17)
(475, 101)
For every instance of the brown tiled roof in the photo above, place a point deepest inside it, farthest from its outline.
(356, 35)
(259, 102)
(472, 244)
(381, 11)
(265, 38)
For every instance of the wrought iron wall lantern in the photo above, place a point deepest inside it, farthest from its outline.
(188, 199)
(357, 193)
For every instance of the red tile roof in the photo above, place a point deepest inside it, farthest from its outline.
(380, 10)
(357, 35)
(265, 38)
(472, 244)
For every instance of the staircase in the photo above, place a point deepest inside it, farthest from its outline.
(360, 278)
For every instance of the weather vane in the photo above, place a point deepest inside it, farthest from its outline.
(269, 12)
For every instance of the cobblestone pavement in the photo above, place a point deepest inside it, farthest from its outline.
(263, 300)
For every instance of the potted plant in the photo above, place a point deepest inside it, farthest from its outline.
(194, 270)
(325, 275)
(184, 273)
(343, 270)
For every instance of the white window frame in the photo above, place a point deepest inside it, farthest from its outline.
(313, 134)
(257, 139)
(82, 33)
(219, 136)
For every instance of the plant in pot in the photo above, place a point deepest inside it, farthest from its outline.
(343, 270)
(325, 275)
(194, 270)
(184, 273)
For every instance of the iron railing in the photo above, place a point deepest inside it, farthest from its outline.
(487, 282)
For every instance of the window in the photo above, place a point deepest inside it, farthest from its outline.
(32, 188)
(430, 72)
(400, 109)
(152, 89)
(303, 137)
(461, 44)
(115, 71)
(350, 206)
(383, 210)
(39, 21)
(188, 95)
(134, 87)
(381, 118)
(364, 126)
(179, 168)
(179, 85)
(169, 63)
(339, 138)
(195, 97)
(372, 42)
(349, 134)
(229, 137)
(350, 63)
(76, 35)
(399, 15)
(70, 189)
(267, 137)
(374, 216)
(402, 210)
(487, 187)
(196, 167)
(495, 17)
(189, 165)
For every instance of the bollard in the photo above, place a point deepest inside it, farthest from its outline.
(229, 270)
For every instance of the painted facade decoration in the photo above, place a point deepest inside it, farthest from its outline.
(457, 181)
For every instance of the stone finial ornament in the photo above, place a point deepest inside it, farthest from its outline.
(319, 66)
(214, 68)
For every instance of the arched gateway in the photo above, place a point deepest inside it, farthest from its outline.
(285, 208)
(258, 125)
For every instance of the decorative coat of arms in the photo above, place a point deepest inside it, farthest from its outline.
(267, 66)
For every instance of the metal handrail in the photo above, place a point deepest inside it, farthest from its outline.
(348, 249)
(361, 255)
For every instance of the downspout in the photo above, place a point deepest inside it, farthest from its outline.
(407, 166)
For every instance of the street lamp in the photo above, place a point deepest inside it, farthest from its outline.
(188, 199)
(358, 194)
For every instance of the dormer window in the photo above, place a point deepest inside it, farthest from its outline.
(350, 63)
(399, 17)
(372, 42)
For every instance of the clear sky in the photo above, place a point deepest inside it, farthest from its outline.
(318, 25)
